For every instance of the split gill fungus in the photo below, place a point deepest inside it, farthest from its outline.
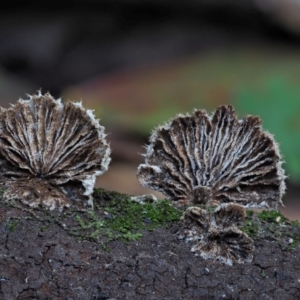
(202, 159)
(51, 153)
(216, 236)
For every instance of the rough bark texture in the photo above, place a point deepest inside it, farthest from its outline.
(52, 264)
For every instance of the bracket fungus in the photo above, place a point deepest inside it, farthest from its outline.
(216, 235)
(51, 153)
(202, 159)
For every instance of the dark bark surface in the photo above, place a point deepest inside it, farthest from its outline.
(39, 259)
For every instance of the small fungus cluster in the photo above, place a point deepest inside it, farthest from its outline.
(216, 234)
(211, 160)
(51, 153)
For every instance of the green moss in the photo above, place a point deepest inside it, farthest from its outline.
(272, 216)
(249, 213)
(263, 274)
(123, 219)
(12, 224)
(133, 215)
(272, 225)
(250, 227)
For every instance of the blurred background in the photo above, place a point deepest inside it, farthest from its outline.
(138, 63)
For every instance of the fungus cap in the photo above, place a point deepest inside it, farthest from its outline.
(216, 235)
(202, 159)
(51, 153)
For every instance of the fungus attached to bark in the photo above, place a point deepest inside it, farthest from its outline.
(51, 153)
(216, 236)
(203, 159)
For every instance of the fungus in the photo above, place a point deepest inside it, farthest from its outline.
(51, 153)
(203, 159)
(216, 236)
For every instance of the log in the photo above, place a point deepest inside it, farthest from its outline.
(73, 255)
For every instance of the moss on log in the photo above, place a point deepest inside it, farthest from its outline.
(125, 250)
